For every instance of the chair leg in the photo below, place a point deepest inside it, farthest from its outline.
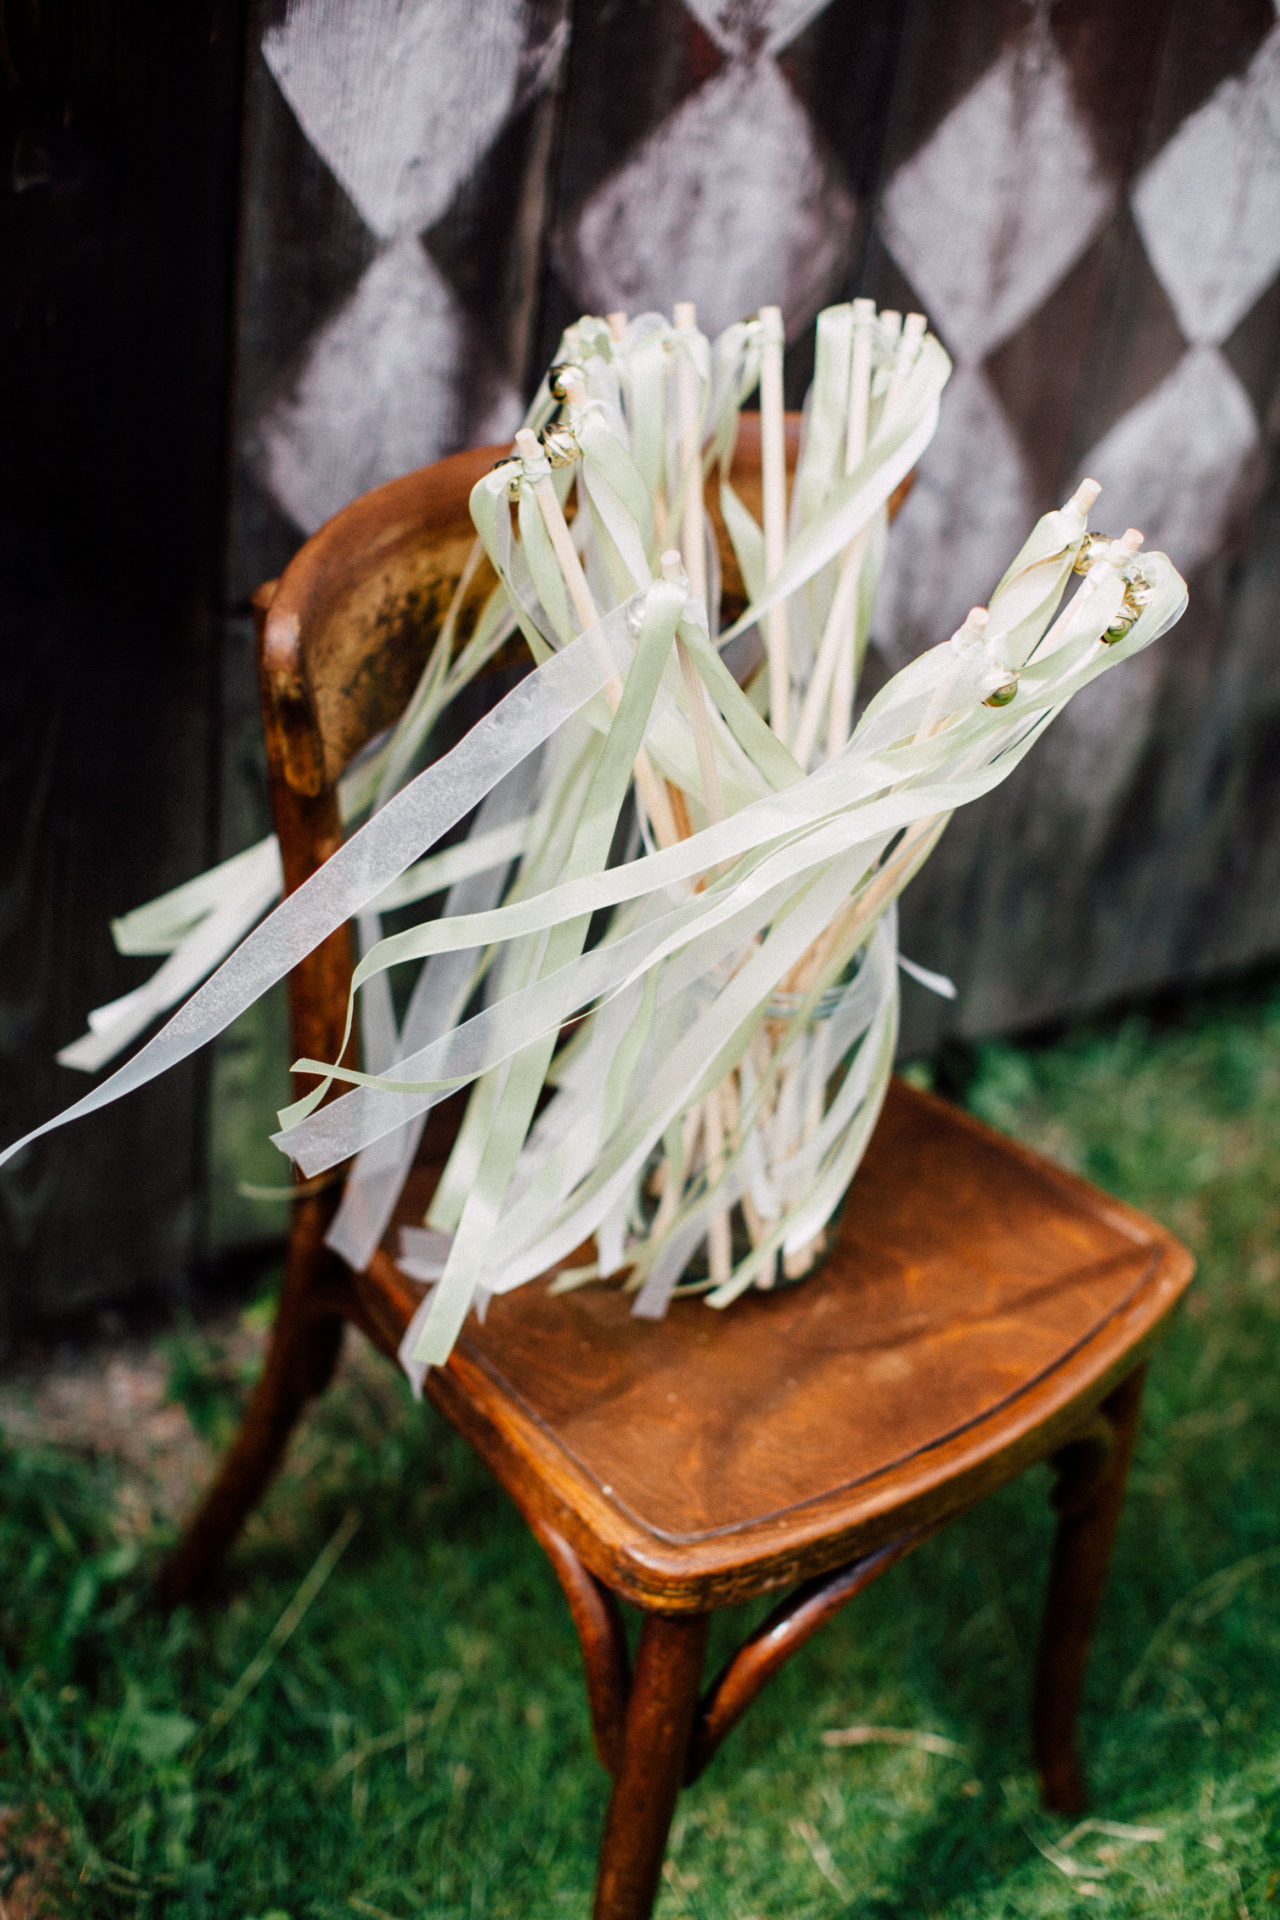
(300, 1359)
(660, 1716)
(1089, 1496)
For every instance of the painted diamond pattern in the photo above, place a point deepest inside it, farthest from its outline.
(381, 384)
(1208, 209)
(730, 201)
(734, 198)
(999, 203)
(400, 110)
(727, 203)
(1208, 206)
(985, 219)
(744, 27)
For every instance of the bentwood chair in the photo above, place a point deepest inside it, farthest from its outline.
(980, 1311)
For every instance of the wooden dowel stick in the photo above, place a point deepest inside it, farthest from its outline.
(903, 360)
(692, 533)
(690, 1129)
(773, 460)
(652, 788)
(838, 631)
(719, 1234)
(757, 1227)
(562, 541)
(617, 323)
(833, 669)
(693, 539)
(840, 712)
(840, 716)
(855, 437)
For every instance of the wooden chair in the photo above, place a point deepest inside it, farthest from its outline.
(981, 1311)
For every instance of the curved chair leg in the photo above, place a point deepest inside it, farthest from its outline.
(1089, 1495)
(660, 1716)
(300, 1359)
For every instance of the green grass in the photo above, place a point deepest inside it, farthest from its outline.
(418, 1746)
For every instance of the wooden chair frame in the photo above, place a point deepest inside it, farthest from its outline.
(342, 638)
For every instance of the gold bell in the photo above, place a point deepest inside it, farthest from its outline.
(556, 377)
(1001, 696)
(1093, 547)
(513, 471)
(1138, 592)
(560, 446)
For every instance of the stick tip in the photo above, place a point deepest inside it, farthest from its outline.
(976, 619)
(527, 444)
(685, 313)
(771, 321)
(1085, 495)
(616, 323)
(863, 310)
(1125, 547)
(672, 566)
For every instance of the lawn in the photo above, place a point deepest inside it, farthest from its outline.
(382, 1714)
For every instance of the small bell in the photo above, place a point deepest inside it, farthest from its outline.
(1138, 593)
(556, 378)
(513, 470)
(1094, 546)
(1002, 693)
(560, 446)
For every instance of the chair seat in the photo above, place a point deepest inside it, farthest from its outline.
(976, 1304)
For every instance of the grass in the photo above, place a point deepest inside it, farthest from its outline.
(402, 1733)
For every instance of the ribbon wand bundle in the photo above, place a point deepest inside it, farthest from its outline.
(677, 1015)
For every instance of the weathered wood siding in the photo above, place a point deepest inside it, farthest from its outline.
(116, 235)
(1085, 199)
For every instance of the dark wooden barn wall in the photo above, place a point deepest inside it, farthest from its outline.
(1085, 199)
(116, 256)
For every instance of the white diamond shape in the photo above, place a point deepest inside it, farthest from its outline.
(962, 523)
(996, 206)
(399, 97)
(728, 203)
(380, 394)
(755, 26)
(1175, 463)
(1208, 206)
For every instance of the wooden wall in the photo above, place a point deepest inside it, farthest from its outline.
(117, 222)
(1084, 198)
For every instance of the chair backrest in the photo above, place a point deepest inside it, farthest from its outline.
(342, 638)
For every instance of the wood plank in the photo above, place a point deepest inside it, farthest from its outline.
(116, 243)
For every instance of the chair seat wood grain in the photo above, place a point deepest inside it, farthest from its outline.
(976, 1301)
